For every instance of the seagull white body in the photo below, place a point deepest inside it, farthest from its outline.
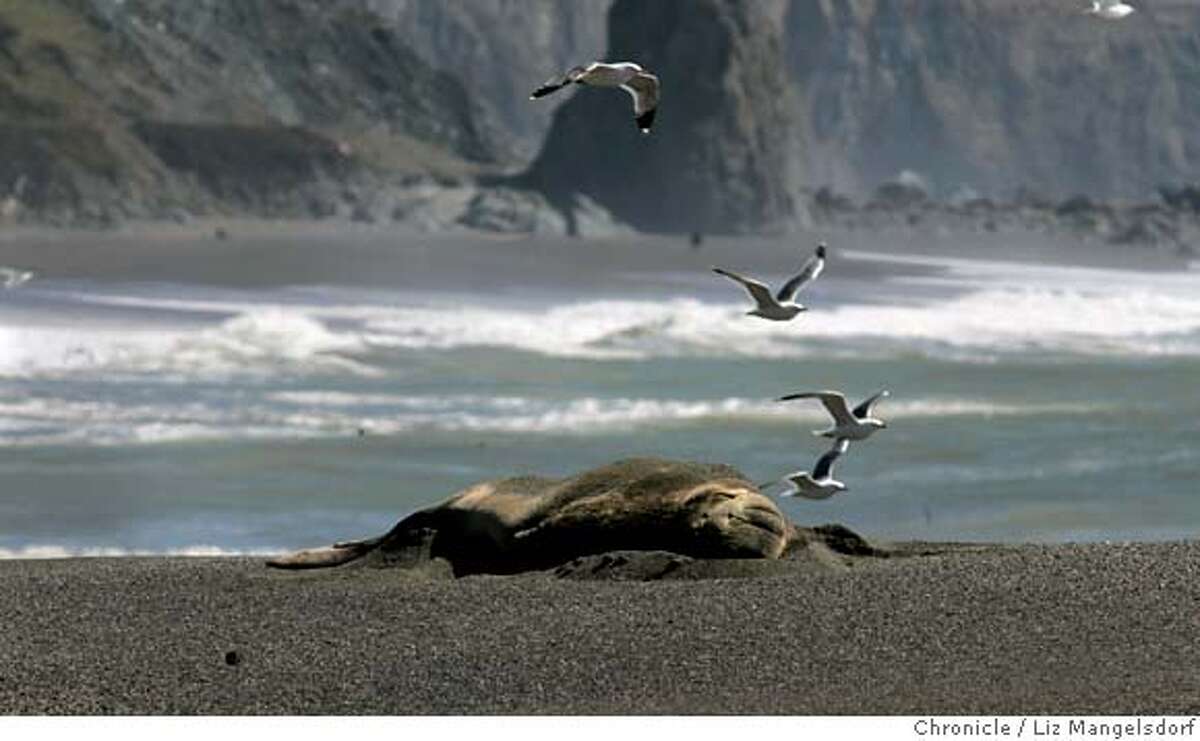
(820, 483)
(781, 306)
(848, 424)
(628, 76)
(13, 278)
(1112, 10)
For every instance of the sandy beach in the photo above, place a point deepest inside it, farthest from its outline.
(1092, 629)
(259, 253)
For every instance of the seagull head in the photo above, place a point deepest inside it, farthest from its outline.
(821, 250)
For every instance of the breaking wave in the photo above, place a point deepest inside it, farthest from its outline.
(323, 414)
(39, 552)
(262, 342)
(178, 338)
(988, 321)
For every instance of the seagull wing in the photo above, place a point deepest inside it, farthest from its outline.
(809, 272)
(834, 403)
(863, 410)
(644, 88)
(557, 83)
(758, 291)
(824, 467)
(803, 485)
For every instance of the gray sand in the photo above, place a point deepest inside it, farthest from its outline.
(1064, 629)
(261, 254)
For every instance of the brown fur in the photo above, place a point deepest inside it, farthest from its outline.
(519, 524)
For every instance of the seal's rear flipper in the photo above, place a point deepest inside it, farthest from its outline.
(320, 558)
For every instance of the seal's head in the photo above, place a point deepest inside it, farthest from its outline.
(734, 520)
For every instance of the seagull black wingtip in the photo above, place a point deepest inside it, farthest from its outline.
(646, 120)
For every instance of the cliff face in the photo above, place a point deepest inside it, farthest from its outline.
(498, 49)
(765, 100)
(113, 108)
(997, 94)
(722, 153)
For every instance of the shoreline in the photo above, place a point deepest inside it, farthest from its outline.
(936, 628)
(257, 253)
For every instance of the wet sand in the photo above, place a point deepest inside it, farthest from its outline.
(269, 253)
(1091, 629)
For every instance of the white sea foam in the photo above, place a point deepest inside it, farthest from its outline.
(989, 321)
(313, 414)
(1011, 320)
(268, 341)
(58, 551)
(997, 309)
(14, 277)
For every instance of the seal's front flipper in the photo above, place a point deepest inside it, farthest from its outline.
(320, 558)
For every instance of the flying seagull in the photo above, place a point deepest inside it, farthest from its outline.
(1112, 10)
(820, 484)
(781, 307)
(847, 424)
(628, 76)
(13, 278)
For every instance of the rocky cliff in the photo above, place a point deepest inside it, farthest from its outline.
(114, 108)
(997, 94)
(391, 109)
(722, 155)
(497, 48)
(765, 101)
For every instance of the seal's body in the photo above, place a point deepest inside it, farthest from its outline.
(528, 523)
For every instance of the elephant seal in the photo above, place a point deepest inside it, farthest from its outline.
(532, 523)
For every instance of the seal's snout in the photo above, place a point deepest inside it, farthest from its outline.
(738, 522)
(767, 518)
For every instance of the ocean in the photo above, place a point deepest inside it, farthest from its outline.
(161, 395)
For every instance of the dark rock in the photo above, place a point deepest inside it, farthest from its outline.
(1185, 198)
(898, 196)
(829, 200)
(1148, 230)
(535, 40)
(1075, 205)
(509, 210)
(1027, 197)
(723, 156)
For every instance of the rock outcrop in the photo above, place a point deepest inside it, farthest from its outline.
(722, 156)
